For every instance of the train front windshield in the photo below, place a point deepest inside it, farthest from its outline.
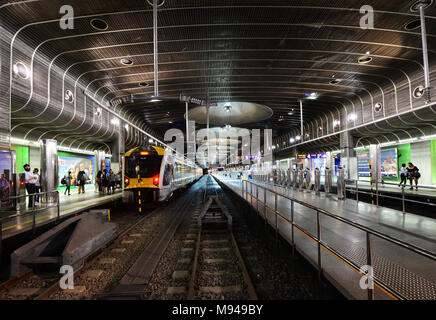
(146, 167)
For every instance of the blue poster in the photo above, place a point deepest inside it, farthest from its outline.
(389, 163)
(363, 163)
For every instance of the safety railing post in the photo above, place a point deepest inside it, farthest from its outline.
(403, 200)
(357, 190)
(318, 227)
(369, 264)
(264, 205)
(257, 199)
(58, 207)
(292, 228)
(276, 213)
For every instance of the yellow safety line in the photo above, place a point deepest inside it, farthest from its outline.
(326, 249)
(60, 213)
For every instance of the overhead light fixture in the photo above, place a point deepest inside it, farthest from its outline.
(298, 138)
(155, 100)
(292, 140)
(408, 140)
(364, 59)
(126, 61)
(126, 126)
(170, 122)
(311, 96)
(150, 140)
(115, 121)
(98, 24)
(418, 92)
(412, 25)
(378, 107)
(352, 117)
(20, 70)
(420, 3)
(228, 107)
(335, 81)
(336, 123)
(428, 137)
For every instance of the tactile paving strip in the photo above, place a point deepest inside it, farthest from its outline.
(407, 283)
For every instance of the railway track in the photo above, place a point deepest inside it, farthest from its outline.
(217, 270)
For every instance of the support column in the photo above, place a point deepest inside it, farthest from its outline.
(99, 164)
(49, 168)
(118, 150)
(375, 158)
(348, 156)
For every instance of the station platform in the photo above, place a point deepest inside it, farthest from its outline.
(68, 205)
(404, 274)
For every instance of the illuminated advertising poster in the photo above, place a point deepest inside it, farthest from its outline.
(76, 164)
(6, 163)
(363, 163)
(389, 163)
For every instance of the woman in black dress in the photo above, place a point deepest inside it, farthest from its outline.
(413, 174)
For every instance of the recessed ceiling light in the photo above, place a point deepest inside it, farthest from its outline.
(290, 113)
(298, 138)
(352, 117)
(143, 84)
(99, 24)
(126, 61)
(20, 70)
(418, 92)
(425, 3)
(378, 107)
(335, 81)
(413, 25)
(364, 59)
(154, 100)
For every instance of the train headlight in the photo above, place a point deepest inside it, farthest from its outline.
(126, 182)
(156, 180)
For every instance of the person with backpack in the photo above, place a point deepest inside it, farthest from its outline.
(105, 181)
(403, 175)
(81, 180)
(66, 180)
(413, 174)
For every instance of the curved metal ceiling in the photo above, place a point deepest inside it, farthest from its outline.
(271, 53)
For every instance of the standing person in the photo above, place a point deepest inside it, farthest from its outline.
(99, 174)
(403, 175)
(68, 178)
(81, 180)
(37, 184)
(112, 179)
(104, 181)
(29, 179)
(413, 174)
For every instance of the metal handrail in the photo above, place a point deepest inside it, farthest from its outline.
(368, 232)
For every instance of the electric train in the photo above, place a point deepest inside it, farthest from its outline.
(152, 174)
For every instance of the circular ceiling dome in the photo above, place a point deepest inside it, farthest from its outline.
(232, 113)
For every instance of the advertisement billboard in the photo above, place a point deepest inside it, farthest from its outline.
(389, 163)
(76, 163)
(363, 163)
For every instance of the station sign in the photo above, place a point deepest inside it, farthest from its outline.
(312, 156)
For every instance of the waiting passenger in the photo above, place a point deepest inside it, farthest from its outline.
(413, 174)
(112, 179)
(29, 179)
(105, 181)
(81, 181)
(67, 179)
(403, 175)
(99, 174)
